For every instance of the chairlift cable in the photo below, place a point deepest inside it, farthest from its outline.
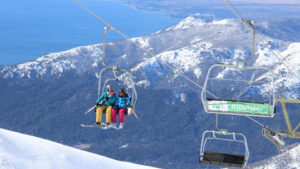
(143, 48)
(255, 121)
(234, 11)
(192, 43)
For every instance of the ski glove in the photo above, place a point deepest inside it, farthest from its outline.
(116, 107)
(100, 104)
(107, 98)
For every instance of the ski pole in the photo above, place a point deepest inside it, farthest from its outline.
(134, 114)
(89, 110)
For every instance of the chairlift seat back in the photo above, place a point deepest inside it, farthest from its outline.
(237, 106)
(233, 107)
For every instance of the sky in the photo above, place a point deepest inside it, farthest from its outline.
(232, 1)
(267, 1)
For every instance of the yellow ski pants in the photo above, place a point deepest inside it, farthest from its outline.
(99, 113)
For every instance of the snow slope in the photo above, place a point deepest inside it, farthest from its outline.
(290, 158)
(19, 151)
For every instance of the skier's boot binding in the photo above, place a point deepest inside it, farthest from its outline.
(98, 124)
(108, 125)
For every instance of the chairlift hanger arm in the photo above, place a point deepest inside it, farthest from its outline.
(107, 29)
(249, 22)
(284, 62)
(245, 22)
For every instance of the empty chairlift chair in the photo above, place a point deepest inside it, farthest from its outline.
(223, 158)
(235, 105)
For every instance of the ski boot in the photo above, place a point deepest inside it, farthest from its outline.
(98, 124)
(121, 126)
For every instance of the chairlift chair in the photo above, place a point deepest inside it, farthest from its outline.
(114, 70)
(222, 158)
(101, 89)
(237, 106)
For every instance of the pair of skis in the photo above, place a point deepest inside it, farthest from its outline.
(92, 108)
(103, 126)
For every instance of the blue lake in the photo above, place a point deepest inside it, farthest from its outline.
(32, 28)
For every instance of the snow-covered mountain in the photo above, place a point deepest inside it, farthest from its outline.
(56, 63)
(20, 151)
(190, 46)
(281, 28)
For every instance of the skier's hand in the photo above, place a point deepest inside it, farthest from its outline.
(102, 102)
(107, 98)
(116, 107)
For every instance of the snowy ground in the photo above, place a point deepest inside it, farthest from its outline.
(19, 151)
(288, 159)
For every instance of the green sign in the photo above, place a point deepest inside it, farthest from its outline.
(238, 107)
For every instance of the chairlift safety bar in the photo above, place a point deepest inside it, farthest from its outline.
(131, 82)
